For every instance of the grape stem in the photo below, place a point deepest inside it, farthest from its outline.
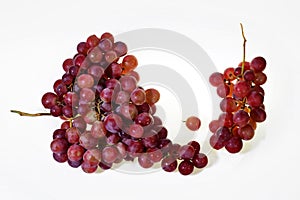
(29, 114)
(244, 49)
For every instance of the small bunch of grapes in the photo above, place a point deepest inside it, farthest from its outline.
(242, 104)
(108, 118)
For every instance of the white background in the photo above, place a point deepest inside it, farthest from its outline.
(36, 36)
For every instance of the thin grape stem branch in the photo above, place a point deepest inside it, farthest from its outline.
(29, 114)
(244, 49)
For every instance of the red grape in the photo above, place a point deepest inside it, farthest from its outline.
(200, 160)
(193, 123)
(186, 167)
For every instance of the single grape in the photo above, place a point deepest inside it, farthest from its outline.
(136, 131)
(67, 64)
(72, 135)
(82, 48)
(90, 117)
(88, 168)
(128, 83)
(87, 95)
(186, 167)
(229, 74)
(92, 41)
(144, 119)
(49, 99)
(98, 130)
(106, 95)
(75, 152)
(249, 75)
(155, 155)
(226, 119)
(122, 97)
(174, 150)
(234, 145)
(241, 118)
(56, 111)
(65, 125)
(223, 90)
(107, 35)
(92, 156)
(255, 99)
(152, 96)
(83, 109)
(95, 55)
(105, 45)
(246, 132)
(228, 105)
(200, 160)
(214, 125)
(113, 123)
(67, 111)
(151, 141)
(59, 145)
(138, 96)
(60, 157)
(87, 140)
(258, 64)
(164, 145)
(135, 147)
(144, 161)
(169, 164)
(129, 63)
(241, 89)
(259, 89)
(79, 60)
(162, 133)
(193, 123)
(74, 70)
(120, 48)
(79, 123)
(143, 108)
(112, 83)
(67, 79)
(110, 56)
(258, 114)
(104, 165)
(106, 107)
(85, 81)
(129, 111)
(114, 70)
(260, 78)
(74, 164)
(122, 148)
(112, 138)
(196, 146)
(186, 152)
(216, 79)
(59, 133)
(71, 99)
(96, 71)
(238, 71)
(57, 83)
(215, 142)
(109, 154)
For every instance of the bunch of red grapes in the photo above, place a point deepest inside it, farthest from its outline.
(109, 118)
(242, 104)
